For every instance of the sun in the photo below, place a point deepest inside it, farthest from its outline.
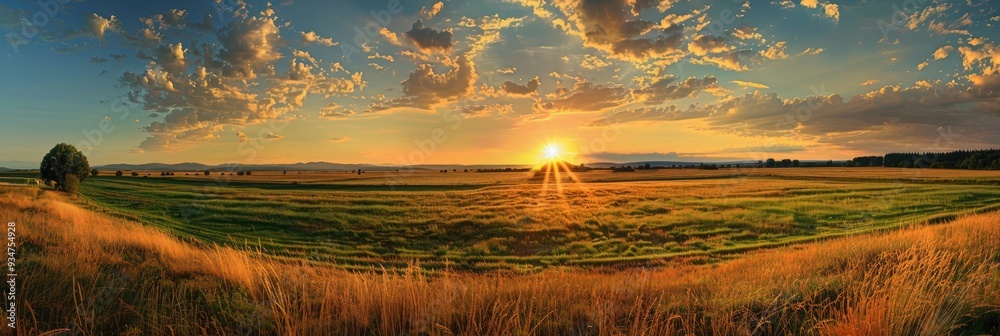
(552, 151)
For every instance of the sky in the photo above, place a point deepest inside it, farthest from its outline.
(409, 82)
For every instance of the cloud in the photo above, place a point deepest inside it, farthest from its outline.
(870, 82)
(893, 117)
(747, 85)
(340, 139)
(810, 52)
(832, 10)
(503, 110)
(942, 53)
(667, 88)
(312, 37)
(434, 10)
(706, 44)
(249, 45)
(775, 52)
(922, 65)
(631, 157)
(98, 59)
(334, 111)
(809, 3)
(745, 32)
(613, 26)
(389, 36)
(593, 62)
(660, 113)
(522, 90)
(201, 91)
(273, 136)
(424, 89)
(537, 7)
(242, 137)
(733, 60)
(429, 39)
(585, 96)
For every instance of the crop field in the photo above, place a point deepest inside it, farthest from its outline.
(484, 221)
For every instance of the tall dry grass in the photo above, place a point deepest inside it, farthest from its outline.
(90, 274)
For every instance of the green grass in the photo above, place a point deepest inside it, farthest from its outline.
(520, 226)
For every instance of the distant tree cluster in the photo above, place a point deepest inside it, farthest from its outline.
(502, 170)
(867, 161)
(784, 163)
(963, 159)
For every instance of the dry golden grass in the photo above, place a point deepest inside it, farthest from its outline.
(93, 275)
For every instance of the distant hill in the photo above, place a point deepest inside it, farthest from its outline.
(191, 166)
(3, 169)
(328, 166)
(14, 165)
(659, 163)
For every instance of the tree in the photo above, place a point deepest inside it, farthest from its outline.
(207, 172)
(770, 163)
(135, 174)
(119, 173)
(62, 163)
(94, 172)
(249, 172)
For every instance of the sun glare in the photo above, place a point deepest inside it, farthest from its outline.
(552, 151)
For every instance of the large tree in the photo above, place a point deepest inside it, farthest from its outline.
(64, 162)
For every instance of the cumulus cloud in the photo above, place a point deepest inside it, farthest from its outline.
(745, 32)
(942, 53)
(593, 62)
(522, 90)
(429, 39)
(201, 91)
(433, 10)
(312, 37)
(832, 10)
(775, 52)
(870, 82)
(249, 45)
(705, 44)
(890, 116)
(389, 36)
(615, 27)
(584, 96)
(425, 89)
(667, 88)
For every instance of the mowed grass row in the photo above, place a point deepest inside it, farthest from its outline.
(528, 226)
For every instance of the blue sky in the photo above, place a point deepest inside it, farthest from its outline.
(496, 81)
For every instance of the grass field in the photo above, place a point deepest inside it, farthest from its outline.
(86, 273)
(483, 221)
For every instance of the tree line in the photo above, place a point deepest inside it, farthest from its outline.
(960, 159)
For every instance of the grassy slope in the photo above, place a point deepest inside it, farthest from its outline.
(527, 226)
(93, 274)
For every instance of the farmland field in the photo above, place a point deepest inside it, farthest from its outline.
(482, 221)
(759, 251)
